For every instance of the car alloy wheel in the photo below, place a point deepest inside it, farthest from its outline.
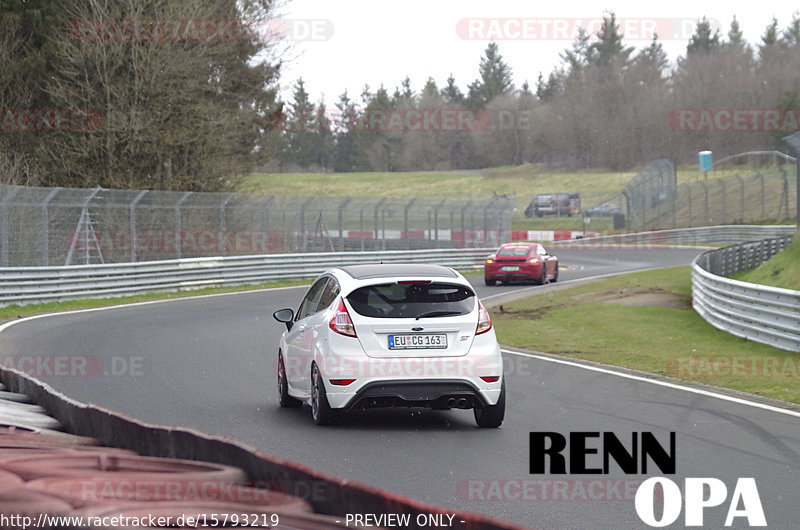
(321, 411)
(284, 399)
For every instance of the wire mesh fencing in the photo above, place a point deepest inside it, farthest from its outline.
(68, 226)
(749, 190)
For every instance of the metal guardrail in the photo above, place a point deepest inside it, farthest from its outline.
(760, 313)
(709, 235)
(24, 285)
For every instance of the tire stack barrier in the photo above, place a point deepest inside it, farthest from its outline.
(185, 473)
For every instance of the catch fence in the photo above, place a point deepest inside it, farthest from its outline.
(71, 226)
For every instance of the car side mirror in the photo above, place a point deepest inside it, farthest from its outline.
(285, 316)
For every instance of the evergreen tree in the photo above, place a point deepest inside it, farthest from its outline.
(735, 34)
(579, 56)
(345, 150)
(791, 35)
(301, 129)
(495, 78)
(703, 40)
(451, 93)
(608, 48)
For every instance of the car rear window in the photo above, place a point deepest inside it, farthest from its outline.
(393, 300)
(514, 251)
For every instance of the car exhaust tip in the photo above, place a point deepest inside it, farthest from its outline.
(452, 403)
(462, 403)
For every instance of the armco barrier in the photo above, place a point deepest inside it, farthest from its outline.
(709, 235)
(21, 285)
(326, 494)
(760, 313)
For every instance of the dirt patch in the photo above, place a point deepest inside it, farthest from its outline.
(637, 296)
(526, 314)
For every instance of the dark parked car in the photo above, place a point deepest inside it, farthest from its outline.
(554, 204)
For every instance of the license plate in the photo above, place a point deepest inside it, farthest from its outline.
(510, 268)
(417, 341)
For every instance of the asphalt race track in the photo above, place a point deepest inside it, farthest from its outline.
(208, 363)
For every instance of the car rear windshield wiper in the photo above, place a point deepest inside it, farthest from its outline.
(439, 313)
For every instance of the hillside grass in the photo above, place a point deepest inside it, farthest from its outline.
(518, 183)
(782, 270)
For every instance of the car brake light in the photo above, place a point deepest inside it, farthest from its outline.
(484, 322)
(534, 260)
(491, 378)
(341, 322)
(489, 261)
(413, 282)
(345, 382)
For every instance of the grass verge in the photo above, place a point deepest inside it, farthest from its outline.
(644, 321)
(783, 270)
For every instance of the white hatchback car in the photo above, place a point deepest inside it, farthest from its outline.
(390, 335)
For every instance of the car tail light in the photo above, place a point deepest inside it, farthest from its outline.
(341, 322)
(345, 382)
(489, 261)
(484, 322)
(490, 378)
(534, 260)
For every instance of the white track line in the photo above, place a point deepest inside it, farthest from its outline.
(667, 384)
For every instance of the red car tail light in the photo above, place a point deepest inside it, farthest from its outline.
(343, 382)
(534, 260)
(490, 378)
(484, 322)
(341, 322)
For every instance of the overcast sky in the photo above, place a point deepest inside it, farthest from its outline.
(358, 42)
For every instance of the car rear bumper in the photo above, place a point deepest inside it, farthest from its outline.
(441, 394)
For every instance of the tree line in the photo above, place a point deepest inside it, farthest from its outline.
(606, 105)
(183, 95)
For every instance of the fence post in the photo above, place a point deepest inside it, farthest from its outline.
(44, 232)
(178, 223)
(4, 225)
(223, 224)
(340, 216)
(405, 222)
(375, 219)
(132, 221)
(304, 244)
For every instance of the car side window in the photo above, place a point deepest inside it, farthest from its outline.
(329, 294)
(310, 301)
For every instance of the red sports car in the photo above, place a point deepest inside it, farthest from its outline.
(521, 262)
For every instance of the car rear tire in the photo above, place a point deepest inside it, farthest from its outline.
(489, 282)
(284, 399)
(555, 275)
(491, 416)
(543, 276)
(321, 411)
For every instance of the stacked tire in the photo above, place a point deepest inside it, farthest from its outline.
(46, 472)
